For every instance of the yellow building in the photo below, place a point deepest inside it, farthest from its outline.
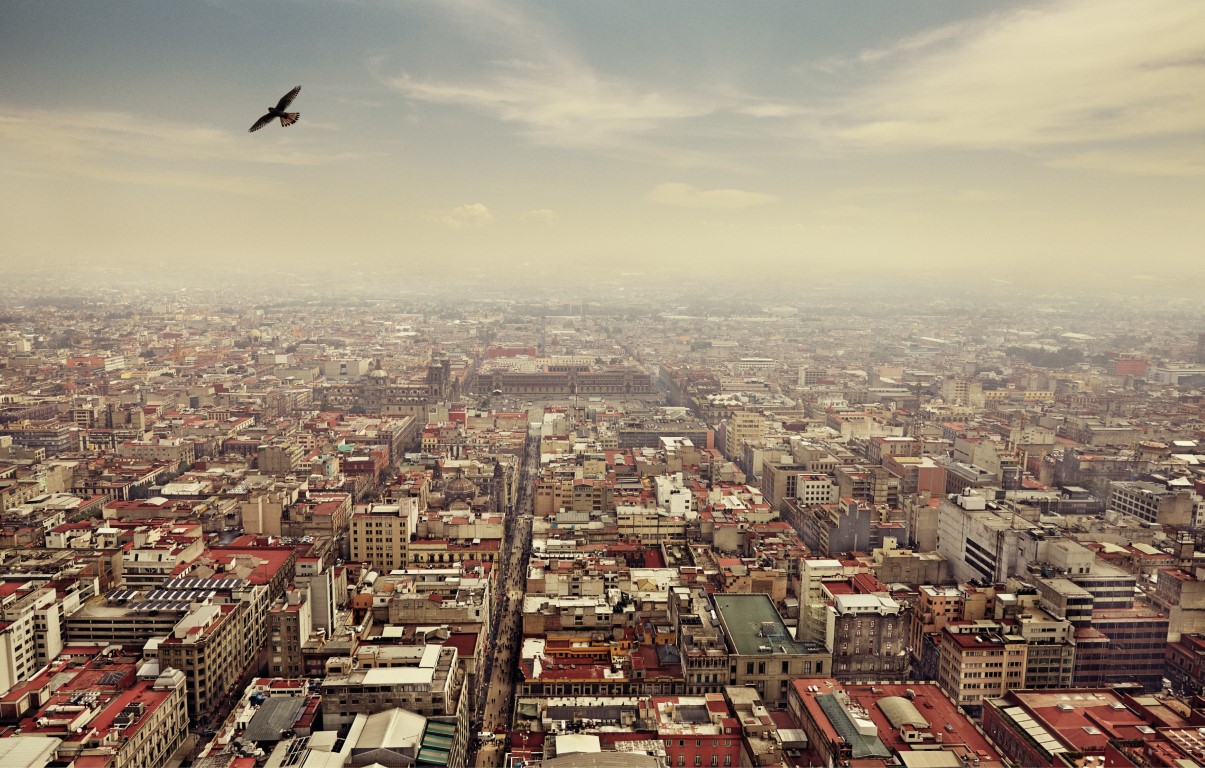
(743, 427)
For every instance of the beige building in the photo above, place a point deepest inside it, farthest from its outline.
(177, 449)
(107, 724)
(962, 392)
(380, 534)
(781, 481)
(426, 681)
(762, 654)
(210, 646)
(280, 458)
(290, 624)
(1180, 594)
(264, 508)
(1050, 651)
(649, 525)
(30, 630)
(813, 610)
(979, 661)
(1157, 503)
(743, 427)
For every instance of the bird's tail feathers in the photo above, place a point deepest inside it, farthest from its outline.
(288, 118)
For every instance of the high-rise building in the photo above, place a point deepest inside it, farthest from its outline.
(290, 623)
(380, 534)
(1126, 645)
(980, 660)
(867, 634)
(210, 646)
(742, 427)
(30, 634)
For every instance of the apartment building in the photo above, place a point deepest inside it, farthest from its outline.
(867, 634)
(696, 730)
(290, 624)
(380, 534)
(111, 714)
(1126, 645)
(979, 660)
(935, 607)
(160, 449)
(742, 427)
(210, 646)
(1157, 503)
(762, 652)
(30, 630)
(280, 458)
(427, 683)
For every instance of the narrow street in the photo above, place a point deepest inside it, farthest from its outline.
(496, 701)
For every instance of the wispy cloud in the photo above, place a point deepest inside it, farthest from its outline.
(1079, 72)
(915, 43)
(561, 107)
(688, 196)
(1173, 158)
(539, 83)
(769, 110)
(131, 149)
(1058, 81)
(545, 216)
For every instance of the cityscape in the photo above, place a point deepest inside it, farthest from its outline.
(602, 385)
(276, 530)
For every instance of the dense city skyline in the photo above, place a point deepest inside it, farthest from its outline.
(669, 526)
(1016, 142)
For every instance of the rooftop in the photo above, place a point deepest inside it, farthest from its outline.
(755, 626)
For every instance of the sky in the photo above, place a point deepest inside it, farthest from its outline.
(769, 141)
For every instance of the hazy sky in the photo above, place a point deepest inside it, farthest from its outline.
(793, 138)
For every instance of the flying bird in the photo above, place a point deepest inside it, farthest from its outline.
(286, 118)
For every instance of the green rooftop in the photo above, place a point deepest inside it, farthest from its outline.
(432, 757)
(861, 746)
(442, 729)
(755, 626)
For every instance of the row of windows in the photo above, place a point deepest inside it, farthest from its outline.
(699, 760)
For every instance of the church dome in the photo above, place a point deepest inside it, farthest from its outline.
(461, 488)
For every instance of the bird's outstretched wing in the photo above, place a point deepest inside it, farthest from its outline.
(260, 123)
(287, 99)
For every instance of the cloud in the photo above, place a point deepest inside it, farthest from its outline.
(688, 196)
(472, 216)
(545, 216)
(1051, 76)
(769, 110)
(915, 43)
(537, 82)
(131, 149)
(1167, 159)
(561, 107)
